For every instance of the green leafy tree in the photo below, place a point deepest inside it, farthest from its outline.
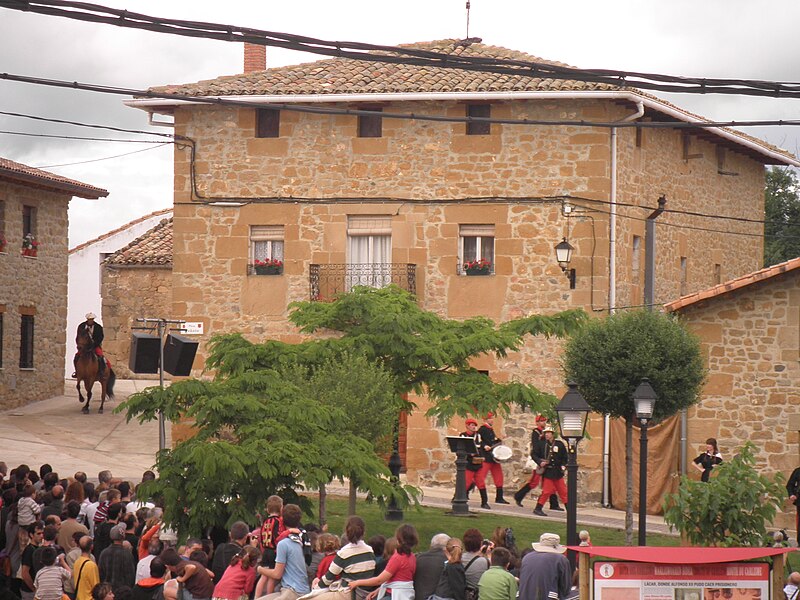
(733, 508)
(609, 357)
(255, 435)
(364, 391)
(782, 215)
(261, 429)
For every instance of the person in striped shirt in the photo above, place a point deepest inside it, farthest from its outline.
(49, 582)
(353, 562)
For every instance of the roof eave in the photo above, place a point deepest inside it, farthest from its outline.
(167, 106)
(88, 192)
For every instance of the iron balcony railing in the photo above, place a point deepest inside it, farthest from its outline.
(327, 281)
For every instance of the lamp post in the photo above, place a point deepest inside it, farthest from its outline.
(644, 400)
(573, 415)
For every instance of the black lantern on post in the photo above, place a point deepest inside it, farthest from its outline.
(573, 415)
(564, 254)
(644, 401)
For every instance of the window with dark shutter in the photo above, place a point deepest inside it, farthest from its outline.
(26, 342)
(268, 123)
(28, 220)
(481, 111)
(370, 126)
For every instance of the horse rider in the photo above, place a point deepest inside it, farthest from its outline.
(95, 333)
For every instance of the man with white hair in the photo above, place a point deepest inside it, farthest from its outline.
(545, 573)
(95, 332)
(430, 565)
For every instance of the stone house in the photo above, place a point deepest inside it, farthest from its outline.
(33, 289)
(750, 331)
(342, 199)
(86, 270)
(136, 282)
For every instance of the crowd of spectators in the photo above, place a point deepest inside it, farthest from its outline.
(73, 539)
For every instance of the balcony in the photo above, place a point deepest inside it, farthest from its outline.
(328, 281)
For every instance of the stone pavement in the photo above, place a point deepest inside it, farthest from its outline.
(56, 432)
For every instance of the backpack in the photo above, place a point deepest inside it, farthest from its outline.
(305, 542)
(471, 593)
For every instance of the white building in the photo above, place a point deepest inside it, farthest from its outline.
(86, 270)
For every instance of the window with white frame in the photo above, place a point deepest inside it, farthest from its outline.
(266, 243)
(369, 250)
(475, 243)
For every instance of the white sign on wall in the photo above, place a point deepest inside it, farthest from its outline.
(193, 328)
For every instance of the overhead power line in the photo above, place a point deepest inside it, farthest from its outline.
(80, 138)
(94, 160)
(291, 107)
(66, 122)
(404, 55)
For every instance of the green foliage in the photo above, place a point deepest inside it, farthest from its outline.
(431, 355)
(732, 509)
(782, 215)
(609, 357)
(256, 434)
(361, 389)
(280, 415)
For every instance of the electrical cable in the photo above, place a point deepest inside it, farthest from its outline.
(94, 160)
(80, 138)
(404, 55)
(211, 100)
(91, 125)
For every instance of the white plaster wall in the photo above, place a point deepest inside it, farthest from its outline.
(84, 278)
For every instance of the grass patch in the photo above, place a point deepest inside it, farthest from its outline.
(430, 521)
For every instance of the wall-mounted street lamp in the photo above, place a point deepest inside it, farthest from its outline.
(564, 254)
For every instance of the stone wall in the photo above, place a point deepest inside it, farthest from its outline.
(129, 293)
(33, 286)
(751, 338)
(425, 176)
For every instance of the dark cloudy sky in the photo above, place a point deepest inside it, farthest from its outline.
(712, 38)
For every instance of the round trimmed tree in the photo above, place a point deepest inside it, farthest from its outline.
(609, 357)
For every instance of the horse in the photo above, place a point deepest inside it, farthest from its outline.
(86, 368)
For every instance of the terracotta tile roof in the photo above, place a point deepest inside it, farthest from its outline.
(113, 232)
(152, 249)
(348, 76)
(734, 284)
(337, 76)
(18, 172)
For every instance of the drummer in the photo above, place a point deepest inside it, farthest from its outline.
(487, 442)
(474, 461)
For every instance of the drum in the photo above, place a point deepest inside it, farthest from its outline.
(502, 453)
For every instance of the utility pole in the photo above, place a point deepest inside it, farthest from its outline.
(161, 326)
(650, 254)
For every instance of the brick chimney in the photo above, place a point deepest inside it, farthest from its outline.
(255, 57)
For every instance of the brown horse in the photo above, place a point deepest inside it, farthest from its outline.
(86, 367)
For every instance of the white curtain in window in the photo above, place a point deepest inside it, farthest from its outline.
(369, 259)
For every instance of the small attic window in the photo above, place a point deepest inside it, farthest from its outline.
(481, 111)
(268, 123)
(370, 126)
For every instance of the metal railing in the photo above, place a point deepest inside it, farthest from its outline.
(328, 281)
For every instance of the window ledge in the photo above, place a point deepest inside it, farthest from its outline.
(26, 256)
(28, 369)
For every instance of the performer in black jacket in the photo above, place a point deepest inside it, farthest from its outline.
(474, 461)
(536, 477)
(488, 440)
(551, 454)
(793, 489)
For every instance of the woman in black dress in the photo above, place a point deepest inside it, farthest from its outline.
(706, 461)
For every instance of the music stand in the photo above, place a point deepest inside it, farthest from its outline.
(462, 446)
